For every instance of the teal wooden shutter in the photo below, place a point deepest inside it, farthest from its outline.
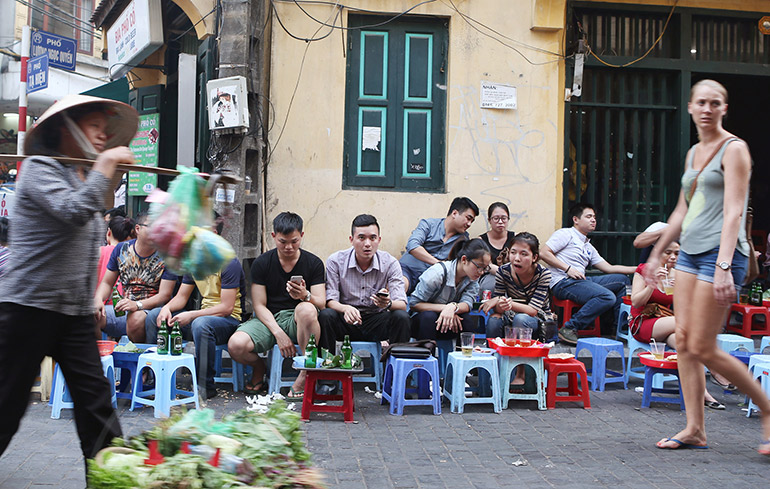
(395, 104)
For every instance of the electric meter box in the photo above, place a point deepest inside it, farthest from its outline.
(227, 104)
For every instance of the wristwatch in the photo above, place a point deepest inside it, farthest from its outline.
(390, 303)
(308, 296)
(139, 305)
(724, 265)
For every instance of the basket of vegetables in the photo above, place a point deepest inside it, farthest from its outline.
(193, 451)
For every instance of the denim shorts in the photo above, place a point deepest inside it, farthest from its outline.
(704, 264)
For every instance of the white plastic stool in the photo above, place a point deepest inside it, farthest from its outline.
(165, 393)
(755, 363)
(731, 342)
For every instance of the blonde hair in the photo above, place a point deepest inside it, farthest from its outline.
(711, 84)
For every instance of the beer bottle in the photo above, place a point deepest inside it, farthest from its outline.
(163, 338)
(175, 340)
(756, 294)
(347, 353)
(115, 299)
(311, 353)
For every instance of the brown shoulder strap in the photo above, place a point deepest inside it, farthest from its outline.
(711, 157)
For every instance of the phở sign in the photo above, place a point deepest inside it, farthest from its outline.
(136, 34)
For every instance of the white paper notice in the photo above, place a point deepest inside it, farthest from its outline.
(497, 96)
(371, 138)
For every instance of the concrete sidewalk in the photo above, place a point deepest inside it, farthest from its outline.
(610, 445)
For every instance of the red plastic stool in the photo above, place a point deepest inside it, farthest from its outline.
(310, 397)
(572, 367)
(746, 328)
(568, 307)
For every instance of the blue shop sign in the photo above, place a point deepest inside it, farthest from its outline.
(37, 73)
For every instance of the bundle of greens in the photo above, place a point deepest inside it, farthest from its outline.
(256, 450)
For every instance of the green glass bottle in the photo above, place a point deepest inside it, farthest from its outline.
(311, 353)
(347, 353)
(175, 339)
(163, 337)
(115, 299)
(756, 294)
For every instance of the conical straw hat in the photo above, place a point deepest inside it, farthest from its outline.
(122, 120)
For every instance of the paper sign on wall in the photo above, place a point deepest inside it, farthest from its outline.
(497, 96)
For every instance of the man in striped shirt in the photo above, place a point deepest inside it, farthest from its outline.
(365, 296)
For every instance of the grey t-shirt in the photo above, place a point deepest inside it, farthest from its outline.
(702, 225)
(55, 238)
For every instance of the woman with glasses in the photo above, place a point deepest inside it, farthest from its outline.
(445, 292)
(497, 239)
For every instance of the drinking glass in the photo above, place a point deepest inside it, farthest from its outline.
(466, 343)
(510, 335)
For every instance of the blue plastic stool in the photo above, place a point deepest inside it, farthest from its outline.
(60, 393)
(458, 367)
(443, 349)
(236, 370)
(635, 346)
(506, 365)
(754, 365)
(394, 388)
(764, 344)
(481, 330)
(165, 392)
(649, 390)
(730, 342)
(275, 367)
(598, 374)
(375, 350)
(622, 331)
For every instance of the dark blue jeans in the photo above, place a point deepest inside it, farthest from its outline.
(207, 332)
(596, 294)
(424, 327)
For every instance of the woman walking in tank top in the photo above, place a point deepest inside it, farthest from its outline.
(710, 215)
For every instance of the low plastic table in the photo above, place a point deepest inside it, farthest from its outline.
(345, 376)
(652, 367)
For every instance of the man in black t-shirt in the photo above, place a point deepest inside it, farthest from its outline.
(288, 289)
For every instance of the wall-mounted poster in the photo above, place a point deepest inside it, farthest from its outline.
(145, 148)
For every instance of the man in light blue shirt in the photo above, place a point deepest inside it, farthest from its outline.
(568, 252)
(433, 239)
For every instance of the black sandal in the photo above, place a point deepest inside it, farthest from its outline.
(255, 389)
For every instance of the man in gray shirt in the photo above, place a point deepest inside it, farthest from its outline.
(433, 238)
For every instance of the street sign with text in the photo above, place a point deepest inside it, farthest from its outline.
(37, 73)
(61, 51)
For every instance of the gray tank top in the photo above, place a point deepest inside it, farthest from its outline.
(702, 225)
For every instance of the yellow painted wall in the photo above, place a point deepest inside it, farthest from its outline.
(510, 155)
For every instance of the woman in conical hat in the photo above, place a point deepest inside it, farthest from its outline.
(46, 295)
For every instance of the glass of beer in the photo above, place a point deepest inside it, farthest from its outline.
(525, 336)
(658, 350)
(668, 286)
(466, 343)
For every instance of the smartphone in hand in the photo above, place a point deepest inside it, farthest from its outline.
(297, 279)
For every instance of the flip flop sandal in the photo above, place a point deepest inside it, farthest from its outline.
(295, 395)
(681, 445)
(255, 389)
(764, 447)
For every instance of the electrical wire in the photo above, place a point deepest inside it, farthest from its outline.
(369, 26)
(308, 40)
(468, 19)
(64, 12)
(195, 24)
(296, 85)
(59, 19)
(665, 26)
